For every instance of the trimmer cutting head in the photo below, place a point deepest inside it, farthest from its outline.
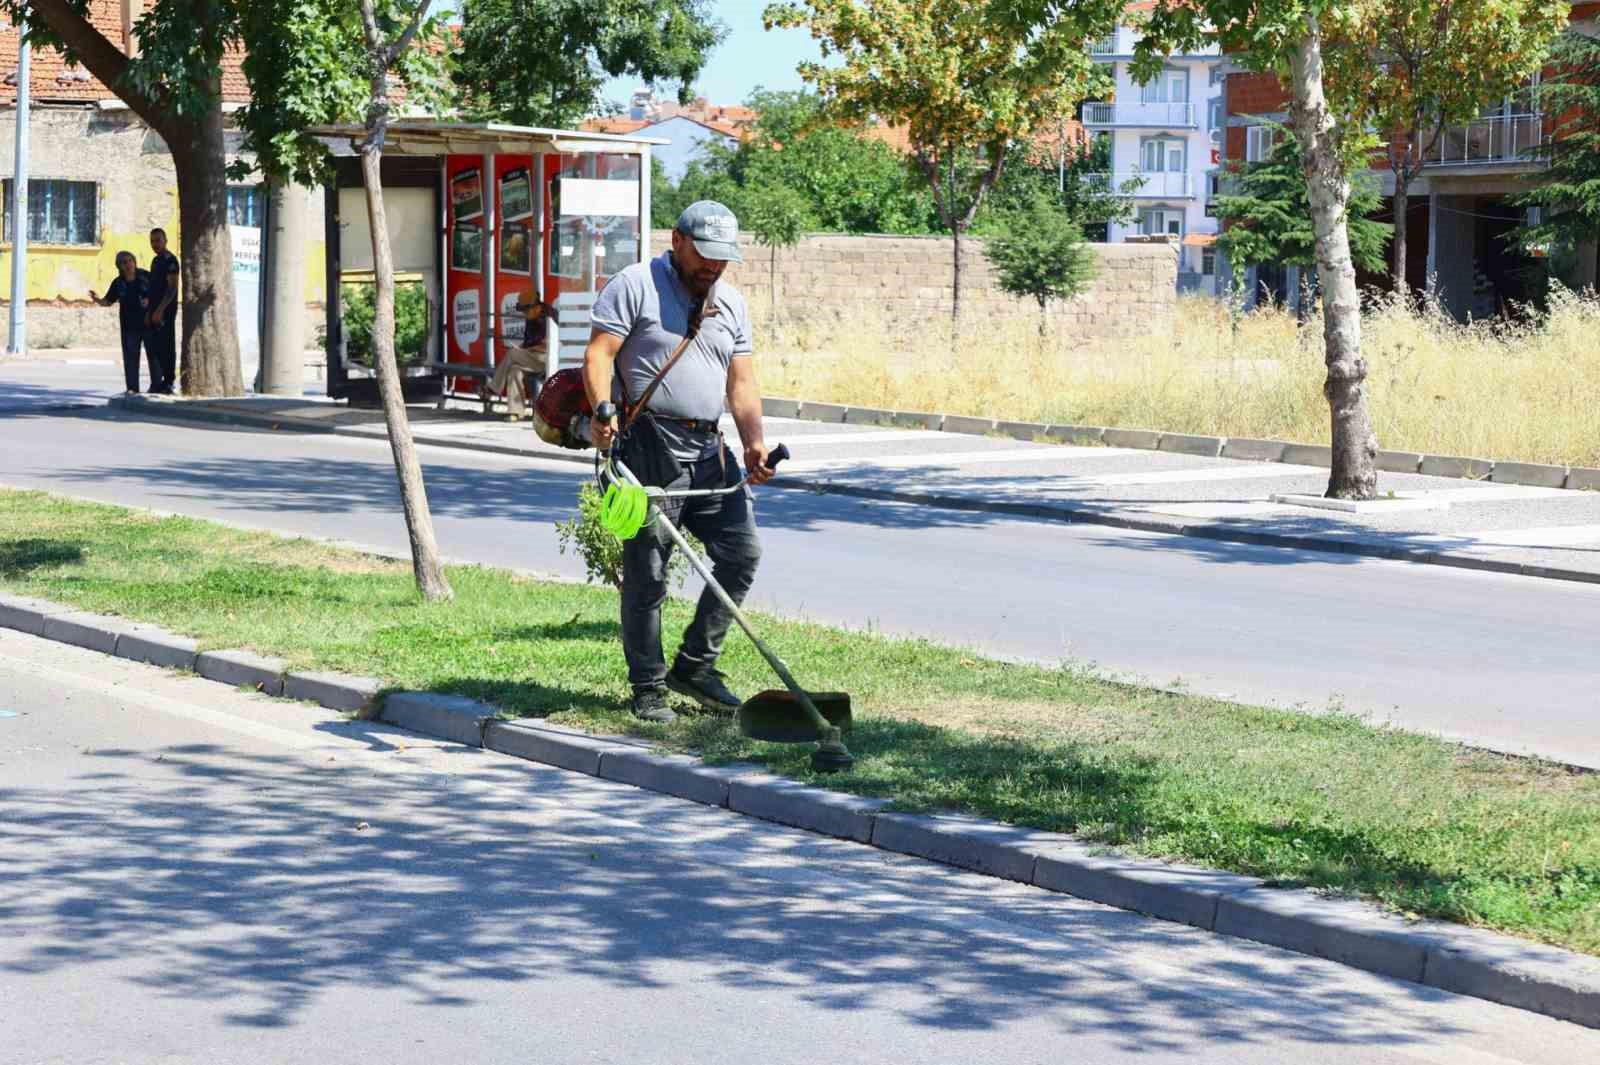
(778, 717)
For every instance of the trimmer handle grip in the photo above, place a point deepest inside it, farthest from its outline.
(777, 455)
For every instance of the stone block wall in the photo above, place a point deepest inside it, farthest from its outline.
(826, 279)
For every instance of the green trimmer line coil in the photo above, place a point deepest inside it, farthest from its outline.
(623, 510)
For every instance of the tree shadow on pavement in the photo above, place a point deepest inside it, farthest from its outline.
(258, 885)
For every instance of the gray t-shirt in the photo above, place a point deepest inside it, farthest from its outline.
(648, 306)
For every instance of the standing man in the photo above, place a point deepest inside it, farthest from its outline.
(163, 319)
(131, 290)
(644, 315)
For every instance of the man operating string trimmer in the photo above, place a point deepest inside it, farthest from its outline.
(669, 345)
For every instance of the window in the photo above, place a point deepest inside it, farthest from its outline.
(1158, 221)
(1258, 142)
(246, 206)
(1162, 155)
(1172, 87)
(59, 212)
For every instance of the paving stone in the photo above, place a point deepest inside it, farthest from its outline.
(242, 669)
(336, 691)
(446, 717)
(1186, 444)
(26, 614)
(1078, 435)
(774, 407)
(788, 802)
(824, 412)
(564, 749)
(1579, 477)
(1253, 450)
(961, 423)
(1515, 972)
(1172, 892)
(157, 646)
(1147, 439)
(868, 416)
(81, 629)
(1531, 473)
(1307, 455)
(671, 774)
(1456, 466)
(968, 842)
(1341, 930)
(1399, 461)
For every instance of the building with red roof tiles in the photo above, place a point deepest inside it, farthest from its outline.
(1458, 210)
(99, 181)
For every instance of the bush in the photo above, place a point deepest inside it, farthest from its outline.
(602, 552)
(357, 310)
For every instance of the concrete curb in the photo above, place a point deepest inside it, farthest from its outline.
(1464, 961)
(1253, 450)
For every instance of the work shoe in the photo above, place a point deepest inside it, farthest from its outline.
(705, 686)
(650, 704)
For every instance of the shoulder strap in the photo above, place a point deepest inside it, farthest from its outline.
(698, 315)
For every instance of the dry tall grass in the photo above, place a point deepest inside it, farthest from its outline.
(1525, 391)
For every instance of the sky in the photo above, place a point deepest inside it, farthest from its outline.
(749, 57)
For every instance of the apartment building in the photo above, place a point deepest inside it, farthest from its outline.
(1458, 212)
(1166, 140)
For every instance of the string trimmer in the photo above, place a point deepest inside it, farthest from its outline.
(792, 716)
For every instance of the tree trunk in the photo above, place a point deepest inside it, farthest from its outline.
(1355, 446)
(210, 341)
(210, 334)
(955, 286)
(425, 562)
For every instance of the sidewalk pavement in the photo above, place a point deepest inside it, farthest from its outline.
(1510, 528)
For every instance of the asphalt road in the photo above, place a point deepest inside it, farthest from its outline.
(1503, 662)
(193, 874)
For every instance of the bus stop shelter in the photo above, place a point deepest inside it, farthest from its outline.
(482, 218)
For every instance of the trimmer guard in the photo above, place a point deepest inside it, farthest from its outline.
(778, 717)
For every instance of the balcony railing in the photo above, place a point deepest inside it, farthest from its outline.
(1152, 115)
(1508, 139)
(1162, 184)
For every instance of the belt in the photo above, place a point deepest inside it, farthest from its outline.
(694, 425)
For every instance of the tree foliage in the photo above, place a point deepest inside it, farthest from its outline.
(849, 182)
(1040, 252)
(1266, 214)
(966, 79)
(545, 62)
(1567, 193)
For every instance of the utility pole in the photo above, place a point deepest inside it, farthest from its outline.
(18, 343)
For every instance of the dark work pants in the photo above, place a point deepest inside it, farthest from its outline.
(164, 340)
(726, 525)
(132, 337)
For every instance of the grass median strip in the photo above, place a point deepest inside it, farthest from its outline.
(1426, 827)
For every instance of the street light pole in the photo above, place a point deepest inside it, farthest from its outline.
(18, 344)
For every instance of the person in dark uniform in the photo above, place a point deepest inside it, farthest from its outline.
(163, 317)
(131, 290)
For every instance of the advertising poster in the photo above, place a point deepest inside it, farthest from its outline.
(466, 194)
(464, 266)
